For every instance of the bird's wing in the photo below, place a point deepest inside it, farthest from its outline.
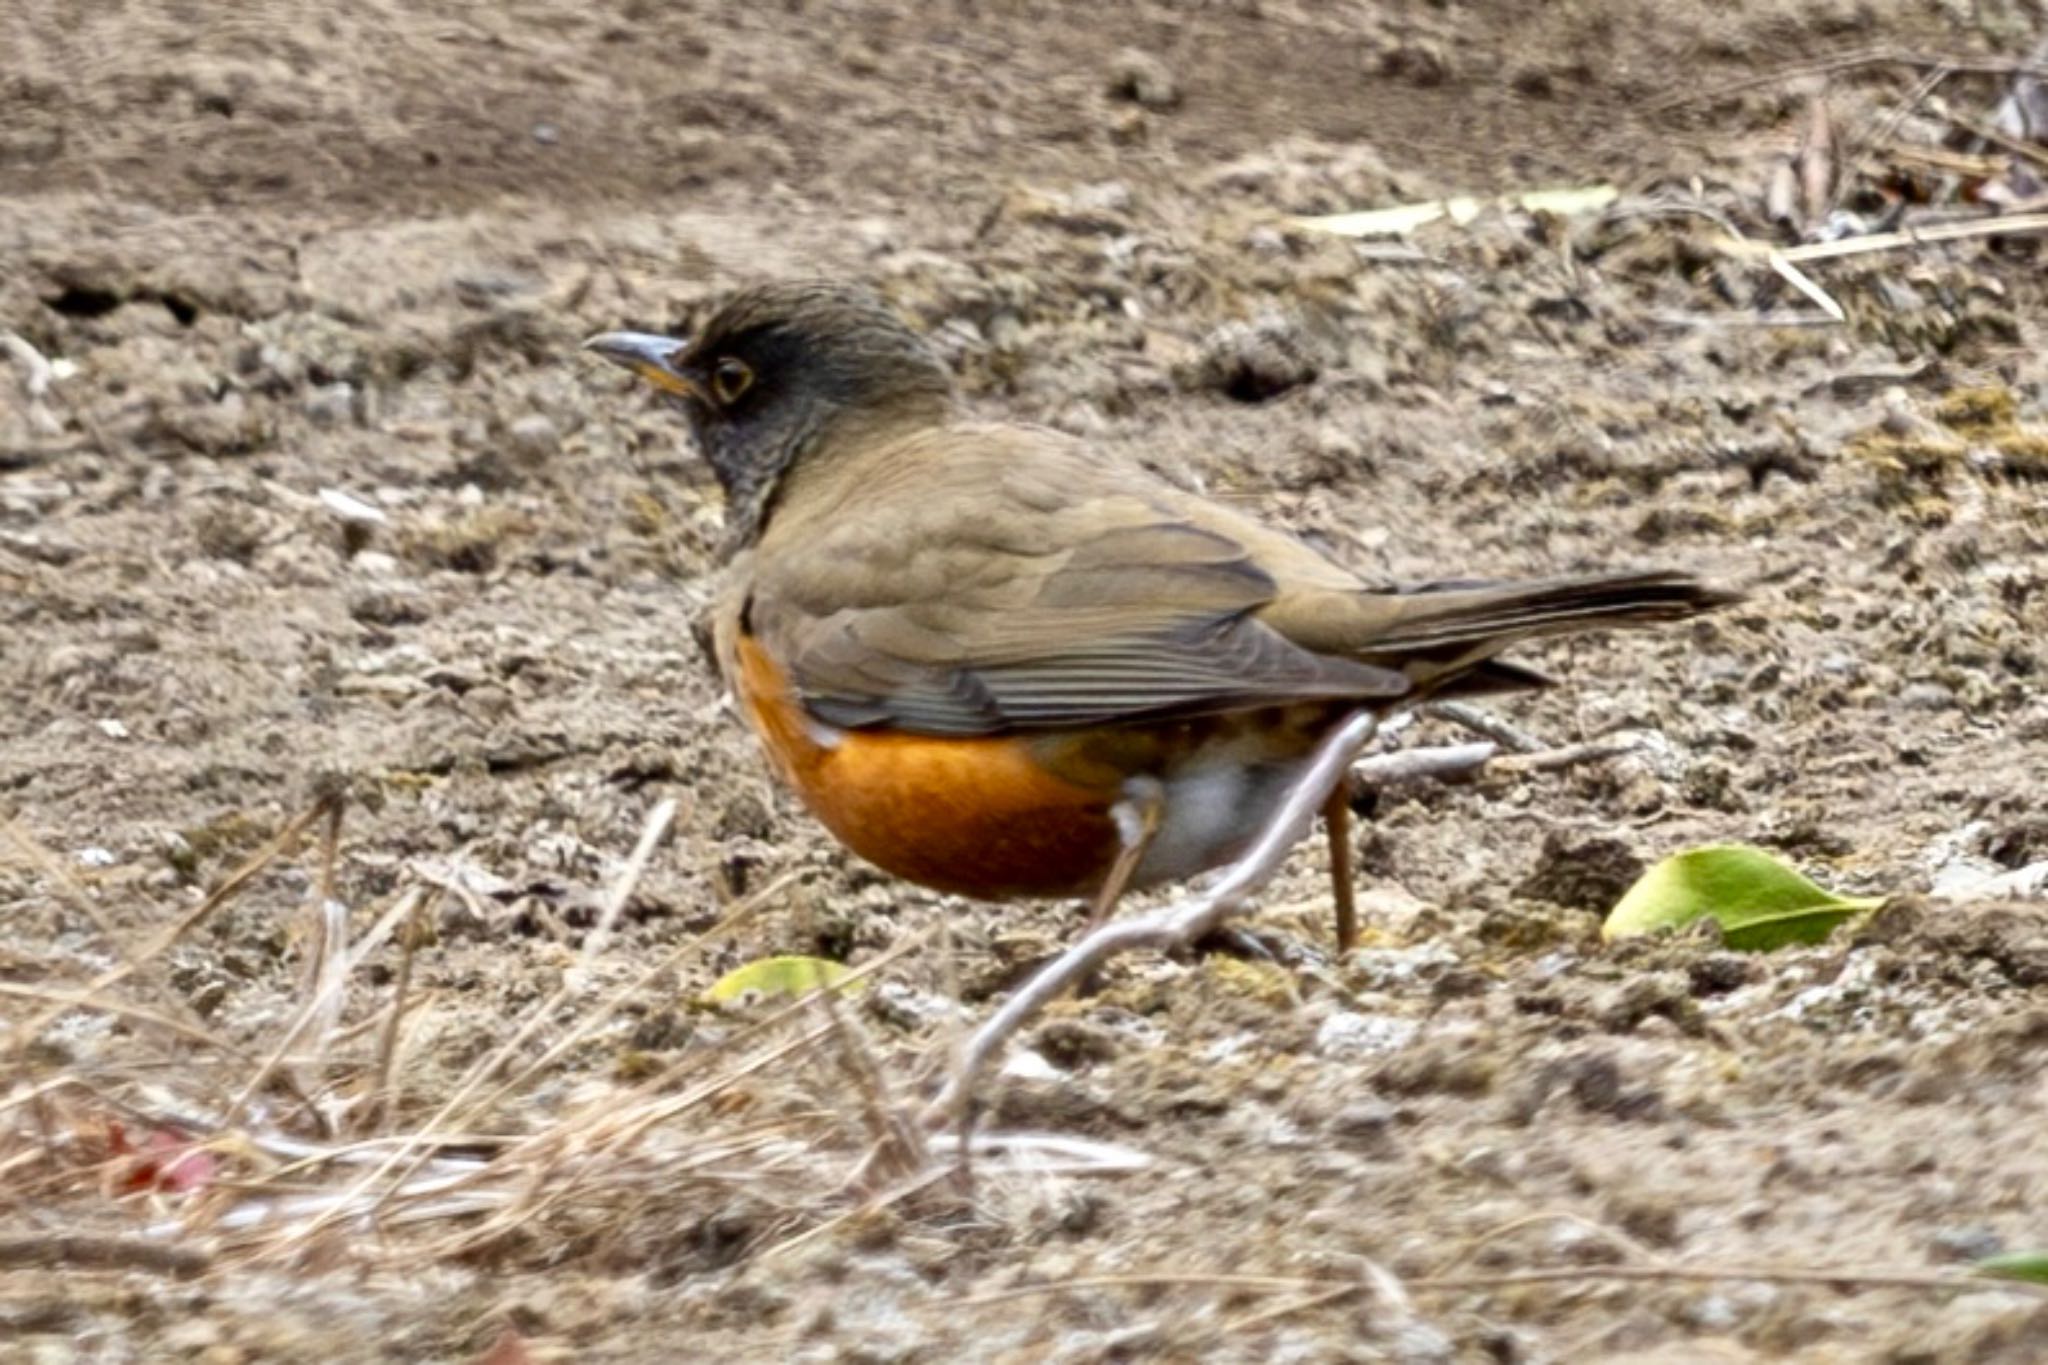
(1018, 584)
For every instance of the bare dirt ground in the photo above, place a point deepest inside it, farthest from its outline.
(308, 247)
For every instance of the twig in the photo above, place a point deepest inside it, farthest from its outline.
(1798, 279)
(2018, 147)
(1180, 923)
(384, 1094)
(184, 924)
(1379, 1281)
(1054, 1153)
(1674, 320)
(1839, 1279)
(1618, 1238)
(1568, 756)
(899, 1149)
(1848, 61)
(1418, 765)
(1481, 721)
(84, 1252)
(1290, 1309)
(2007, 225)
(326, 976)
(658, 820)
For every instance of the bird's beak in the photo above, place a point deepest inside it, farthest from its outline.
(649, 356)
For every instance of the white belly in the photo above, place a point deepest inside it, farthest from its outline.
(1210, 814)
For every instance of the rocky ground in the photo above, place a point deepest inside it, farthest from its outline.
(320, 498)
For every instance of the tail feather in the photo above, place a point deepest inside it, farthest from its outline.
(1446, 616)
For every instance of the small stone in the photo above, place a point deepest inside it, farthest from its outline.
(1719, 973)
(1965, 1244)
(331, 405)
(1075, 1044)
(387, 606)
(1927, 696)
(1144, 80)
(1349, 1034)
(745, 817)
(533, 439)
(1367, 1126)
(1026, 1065)
(1266, 240)
(461, 918)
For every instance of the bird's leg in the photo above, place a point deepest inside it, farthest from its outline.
(1138, 817)
(1337, 820)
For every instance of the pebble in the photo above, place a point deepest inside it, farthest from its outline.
(1367, 1125)
(1144, 80)
(1969, 1243)
(1349, 1034)
(331, 405)
(533, 439)
(1927, 696)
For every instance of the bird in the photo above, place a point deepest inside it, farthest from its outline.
(998, 661)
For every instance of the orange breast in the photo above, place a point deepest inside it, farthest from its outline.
(978, 817)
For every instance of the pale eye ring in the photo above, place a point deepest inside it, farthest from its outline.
(730, 379)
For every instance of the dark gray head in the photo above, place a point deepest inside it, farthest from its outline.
(775, 368)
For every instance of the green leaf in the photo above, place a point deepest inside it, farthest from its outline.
(1759, 902)
(2016, 1265)
(768, 977)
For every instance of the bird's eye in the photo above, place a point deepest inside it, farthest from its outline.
(730, 379)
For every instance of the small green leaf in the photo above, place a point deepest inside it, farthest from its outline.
(1759, 903)
(2016, 1265)
(768, 977)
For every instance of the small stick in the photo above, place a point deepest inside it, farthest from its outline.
(1567, 756)
(2007, 225)
(1799, 280)
(36, 367)
(658, 820)
(384, 1096)
(83, 1252)
(2018, 147)
(1337, 820)
(1380, 1281)
(325, 980)
(1418, 765)
(1481, 721)
(899, 1148)
(1842, 1279)
(184, 924)
(1615, 1237)
(1848, 61)
(1178, 924)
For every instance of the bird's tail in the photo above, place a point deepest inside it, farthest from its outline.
(1447, 634)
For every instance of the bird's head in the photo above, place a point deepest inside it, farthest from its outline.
(773, 371)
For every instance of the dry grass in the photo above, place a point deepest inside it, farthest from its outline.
(198, 1151)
